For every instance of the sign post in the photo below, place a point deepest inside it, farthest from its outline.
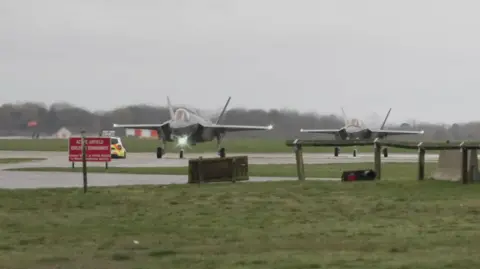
(88, 149)
(84, 162)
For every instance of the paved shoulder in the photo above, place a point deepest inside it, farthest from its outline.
(28, 180)
(60, 159)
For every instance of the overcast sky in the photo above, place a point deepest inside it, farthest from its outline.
(419, 57)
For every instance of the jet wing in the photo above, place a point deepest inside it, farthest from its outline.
(236, 128)
(396, 132)
(320, 131)
(154, 126)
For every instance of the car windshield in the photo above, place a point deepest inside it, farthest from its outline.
(113, 141)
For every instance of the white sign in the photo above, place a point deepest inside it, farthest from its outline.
(108, 133)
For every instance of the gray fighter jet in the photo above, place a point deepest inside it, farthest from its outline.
(186, 127)
(356, 129)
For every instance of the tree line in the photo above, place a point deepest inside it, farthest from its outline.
(14, 119)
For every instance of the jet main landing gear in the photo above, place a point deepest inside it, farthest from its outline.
(336, 152)
(221, 150)
(161, 149)
(385, 152)
(160, 152)
(221, 153)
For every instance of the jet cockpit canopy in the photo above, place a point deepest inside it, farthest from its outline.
(182, 114)
(355, 123)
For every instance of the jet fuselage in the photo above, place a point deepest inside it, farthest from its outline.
(185, 127)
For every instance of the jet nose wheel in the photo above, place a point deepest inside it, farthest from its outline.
(181, 154)
(160, 152)
(385, 152)
(336, 151)
(221, 153)
(354, 153)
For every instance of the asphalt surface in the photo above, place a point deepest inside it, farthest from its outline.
(22, 180)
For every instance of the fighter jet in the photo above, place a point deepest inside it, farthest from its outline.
(186, 127)
(356, 129)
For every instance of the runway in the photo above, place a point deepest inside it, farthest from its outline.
(13, 180)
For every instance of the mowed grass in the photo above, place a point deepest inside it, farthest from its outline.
(18, 160)
(389, 170)
(310, 224)
(150, 145)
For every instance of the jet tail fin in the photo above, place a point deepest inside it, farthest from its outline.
(170, 108)
(345, 118)
(223, 111)
(386, 118)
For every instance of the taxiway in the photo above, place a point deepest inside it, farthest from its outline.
(12, 180)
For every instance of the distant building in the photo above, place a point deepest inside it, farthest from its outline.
(63, 133)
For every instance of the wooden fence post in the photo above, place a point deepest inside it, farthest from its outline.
(473, 160)
(377, 158)
(200, 169)
(421, 162)
(234, 170)
(299, 161)
(464, 164)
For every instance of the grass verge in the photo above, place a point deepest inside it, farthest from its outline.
(150, 145)
(19, 160)
(383, 224)
(389, 170)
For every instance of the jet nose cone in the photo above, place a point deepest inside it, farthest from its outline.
(181, 128)
(177, 132)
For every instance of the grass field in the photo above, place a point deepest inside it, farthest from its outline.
(150, 145)
(389, 170)
(18, 160)
(286, 225)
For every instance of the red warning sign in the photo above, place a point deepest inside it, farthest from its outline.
(98, 149)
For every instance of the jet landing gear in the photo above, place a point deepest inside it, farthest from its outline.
(336, 152)
(160, 152)
(221, 153)
(221, 150)
(385, 152)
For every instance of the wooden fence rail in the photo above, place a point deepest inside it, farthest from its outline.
(422, 147)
